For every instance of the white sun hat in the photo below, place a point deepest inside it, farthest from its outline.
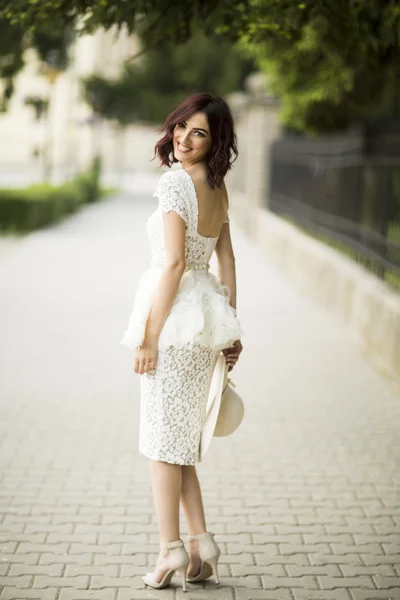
(225, 408)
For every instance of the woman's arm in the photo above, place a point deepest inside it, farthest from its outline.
(226, 262)
(174, 241)
(227, 276)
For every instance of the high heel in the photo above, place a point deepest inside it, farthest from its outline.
(177, 560)
(209, 554)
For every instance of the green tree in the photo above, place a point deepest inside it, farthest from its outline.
(163, 20)
(332, 62)
(11, 61)
(149, 89)
(51, 45)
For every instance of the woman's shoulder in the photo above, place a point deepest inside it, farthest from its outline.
(169, 182)
(171, 194)
(172, 175)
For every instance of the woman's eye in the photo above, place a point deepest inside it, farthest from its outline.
(181, 125)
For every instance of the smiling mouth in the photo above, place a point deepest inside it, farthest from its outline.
(183, 148)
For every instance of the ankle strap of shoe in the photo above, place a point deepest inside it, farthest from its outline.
(201, 536)
(172, 545)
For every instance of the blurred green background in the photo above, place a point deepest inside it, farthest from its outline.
(85, 84)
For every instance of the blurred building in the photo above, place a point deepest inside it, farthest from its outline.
(66, 137)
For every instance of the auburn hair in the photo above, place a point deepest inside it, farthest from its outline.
(223, 150)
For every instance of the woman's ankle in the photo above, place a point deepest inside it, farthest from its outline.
(165, 541)
(198, 535)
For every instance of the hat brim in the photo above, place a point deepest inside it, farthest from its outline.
(231, 412)
(218, 382)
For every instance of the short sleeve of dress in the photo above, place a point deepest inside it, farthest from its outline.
(226, 220)
(170, 195)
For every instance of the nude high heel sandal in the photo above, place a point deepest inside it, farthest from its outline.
(209, 554)
(176, 559)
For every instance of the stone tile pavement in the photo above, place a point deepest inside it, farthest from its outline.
(304, 498)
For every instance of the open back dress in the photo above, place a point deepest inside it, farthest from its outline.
(200, 324)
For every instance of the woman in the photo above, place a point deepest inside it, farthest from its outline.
(182, 318)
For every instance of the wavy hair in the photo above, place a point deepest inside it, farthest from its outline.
(223, 150)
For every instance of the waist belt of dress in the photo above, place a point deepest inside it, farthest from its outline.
(189, 266)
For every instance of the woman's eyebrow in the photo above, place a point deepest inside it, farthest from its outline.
(200, 129)
(197, 128)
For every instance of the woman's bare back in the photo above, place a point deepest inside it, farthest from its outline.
(212, 205)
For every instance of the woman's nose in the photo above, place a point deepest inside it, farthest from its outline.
(185, 137)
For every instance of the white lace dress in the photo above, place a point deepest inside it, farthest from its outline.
(199, 325)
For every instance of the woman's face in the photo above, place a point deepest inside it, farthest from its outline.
(192, 139)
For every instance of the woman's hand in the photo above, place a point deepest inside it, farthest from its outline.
(145, 358)
(232, 354)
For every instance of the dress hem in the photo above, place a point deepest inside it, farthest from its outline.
(159, 458)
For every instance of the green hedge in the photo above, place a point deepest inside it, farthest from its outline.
(89, 182)
(41, 204)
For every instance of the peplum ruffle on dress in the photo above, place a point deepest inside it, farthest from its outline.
(200, 314)
(200, 324)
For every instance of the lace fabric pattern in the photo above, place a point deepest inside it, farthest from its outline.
(173, 404)
(176, 192)
(200, 324)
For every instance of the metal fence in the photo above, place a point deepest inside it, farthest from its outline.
(346, 191)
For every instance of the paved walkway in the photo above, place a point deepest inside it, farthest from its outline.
(304, 498)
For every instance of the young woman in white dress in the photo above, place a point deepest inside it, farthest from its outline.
(182, 318)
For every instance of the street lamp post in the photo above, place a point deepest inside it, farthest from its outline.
(51, 70)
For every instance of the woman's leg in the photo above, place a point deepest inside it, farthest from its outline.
(166, 483)
(191, 500)
(192, 505)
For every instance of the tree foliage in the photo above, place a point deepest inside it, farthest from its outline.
(149, 90)
(164, 21)
(51, 45)
(332, 62)
(11, 50)
(159, 22)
